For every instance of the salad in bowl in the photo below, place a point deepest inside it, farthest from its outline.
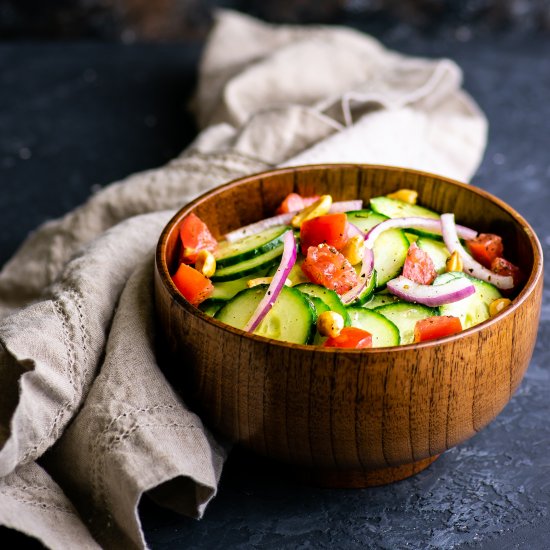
(347, 274)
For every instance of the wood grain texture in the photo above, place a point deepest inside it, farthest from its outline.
(348, 418)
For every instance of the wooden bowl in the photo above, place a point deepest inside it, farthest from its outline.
(349, 418)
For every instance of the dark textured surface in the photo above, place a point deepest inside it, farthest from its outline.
(76, 116)
(174, 20)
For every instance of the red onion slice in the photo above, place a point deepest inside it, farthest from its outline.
(371, 236)
(415, 222)
(285, 219)
(431, 295)
(470, 266)
(253, 228)
(367, 267)
(346, 206)
(273, 290)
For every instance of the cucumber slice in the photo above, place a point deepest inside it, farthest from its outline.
(384, 332)
(328, 296)
(366, 293)
(449, 276)
(436, 250)
(319, 305)
(411, 237)
(475, 308)
(394, 208)
(225, 290)
(249, 246)
(390, 249)
(291, 319)
(248, 267)
(380, 299)
(405, 315)
(365, 219)
(211, 306)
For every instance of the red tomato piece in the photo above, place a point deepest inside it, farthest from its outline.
(436, 327)
(485, 248)
(350, 337)
(419, 267)
(506, 268)
(291, 203)
(325, 266)
(294, 202)
(195, 236)
(330, 229)
(194, 286)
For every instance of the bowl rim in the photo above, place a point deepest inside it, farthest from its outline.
(529, 286)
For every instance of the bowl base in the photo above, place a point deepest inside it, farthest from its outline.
(357, 479)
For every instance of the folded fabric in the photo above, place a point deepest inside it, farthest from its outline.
(80, 387)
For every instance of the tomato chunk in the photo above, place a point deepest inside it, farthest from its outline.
(419, 267)
(330, 229)
(350, 337)
(195, 236)
(436, 327)
(194, 286)
(506, 268)
(325, 266)
(485, 248)
(293, 202)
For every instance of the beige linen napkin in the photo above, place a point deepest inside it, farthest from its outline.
(80, 389)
